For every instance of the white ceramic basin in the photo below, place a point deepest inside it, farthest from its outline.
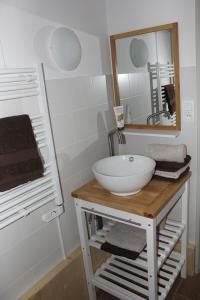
(124, 175)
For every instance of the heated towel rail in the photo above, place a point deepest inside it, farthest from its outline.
(22, 91)
(160, 74)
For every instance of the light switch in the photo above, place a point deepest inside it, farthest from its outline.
(188, 111)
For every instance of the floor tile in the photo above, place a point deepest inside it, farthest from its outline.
(179, 297)
(190, 287)
(183, 289)
(174, 288)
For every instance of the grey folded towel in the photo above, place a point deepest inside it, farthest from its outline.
(127, 237)
(165, 152)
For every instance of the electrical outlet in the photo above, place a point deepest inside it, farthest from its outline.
(188, 111)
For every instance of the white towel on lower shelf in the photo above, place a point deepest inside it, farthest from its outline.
(127, 237)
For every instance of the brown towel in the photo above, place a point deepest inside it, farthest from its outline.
(171, 166)
(170, 97)
(20, 161)
(119, 251)
(172, 179)
(125, 240)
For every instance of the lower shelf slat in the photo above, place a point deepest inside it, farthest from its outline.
(126, 280)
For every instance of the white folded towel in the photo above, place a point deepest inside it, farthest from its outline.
(127, 237)
(165, 152)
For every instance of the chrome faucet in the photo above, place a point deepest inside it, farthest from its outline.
(121, 140)
(120, 136)
(166, 113)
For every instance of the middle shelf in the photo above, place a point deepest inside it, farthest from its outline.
(166, 240)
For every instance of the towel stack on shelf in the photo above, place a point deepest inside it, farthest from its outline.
(172, 161)
(125, 240)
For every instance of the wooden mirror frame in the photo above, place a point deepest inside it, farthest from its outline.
(174, 28)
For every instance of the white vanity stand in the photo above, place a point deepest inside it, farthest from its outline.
(153, 273)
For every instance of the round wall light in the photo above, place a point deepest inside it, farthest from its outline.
(138, 52)
(65, 49)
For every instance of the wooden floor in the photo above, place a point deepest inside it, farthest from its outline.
(184, 289)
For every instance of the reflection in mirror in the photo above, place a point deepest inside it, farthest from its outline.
(138, 52)
(146, 81)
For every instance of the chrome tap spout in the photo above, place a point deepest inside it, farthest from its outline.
(121, 139)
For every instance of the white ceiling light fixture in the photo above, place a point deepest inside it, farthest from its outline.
(138, 52)
(65, 49)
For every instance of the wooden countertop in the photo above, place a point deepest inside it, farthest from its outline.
(148, 202)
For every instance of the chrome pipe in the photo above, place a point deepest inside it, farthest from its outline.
(167, 113)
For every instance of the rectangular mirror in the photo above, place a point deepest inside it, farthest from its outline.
(146, 77)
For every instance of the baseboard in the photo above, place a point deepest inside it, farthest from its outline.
(190, 257)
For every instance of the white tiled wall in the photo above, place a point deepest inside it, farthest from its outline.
(80, 113)
(29, 248)
(134, 89)
(81, 110)
(24, 251)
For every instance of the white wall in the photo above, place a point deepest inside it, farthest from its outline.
(164, 40)
(124, 62)
(134, 90)
(29, 36)
(80, 111)
(88, 17)
(130, 15)
(197, 8)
